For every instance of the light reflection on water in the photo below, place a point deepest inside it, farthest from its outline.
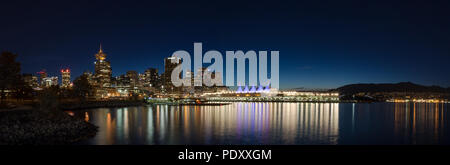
(272, 123)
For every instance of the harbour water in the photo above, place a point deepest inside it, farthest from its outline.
(272, 123)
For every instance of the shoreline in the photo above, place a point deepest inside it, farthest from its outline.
(190, 104)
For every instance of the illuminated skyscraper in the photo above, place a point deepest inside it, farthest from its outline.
(42, 75)
(30, 80)
(102, 70)
(141, 81)
(151, 78)
(65, 78)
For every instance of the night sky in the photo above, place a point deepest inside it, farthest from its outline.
(322, 44)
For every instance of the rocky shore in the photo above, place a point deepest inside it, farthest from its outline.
(34, 127)
(31, 125)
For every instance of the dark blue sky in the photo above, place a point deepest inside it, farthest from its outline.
(322, 44)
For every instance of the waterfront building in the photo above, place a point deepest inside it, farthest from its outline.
(271, 94)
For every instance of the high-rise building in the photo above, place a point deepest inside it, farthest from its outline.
(151, 78)
(189, 78)
(34, 80)
(133, 77)
(42, 76)
(215, 79)
(89, 77)
(102, 70)
(141, 79)
(168, 68)
(65, 78)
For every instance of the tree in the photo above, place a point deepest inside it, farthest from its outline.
(49, 100)
(81, 87)
(9, 73)
(23, 90)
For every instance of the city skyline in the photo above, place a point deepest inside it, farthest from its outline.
(59, 74)
(384, 42)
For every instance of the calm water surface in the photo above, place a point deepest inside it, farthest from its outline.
(272, 123)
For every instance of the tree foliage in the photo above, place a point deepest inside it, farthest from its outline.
(23, 90)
